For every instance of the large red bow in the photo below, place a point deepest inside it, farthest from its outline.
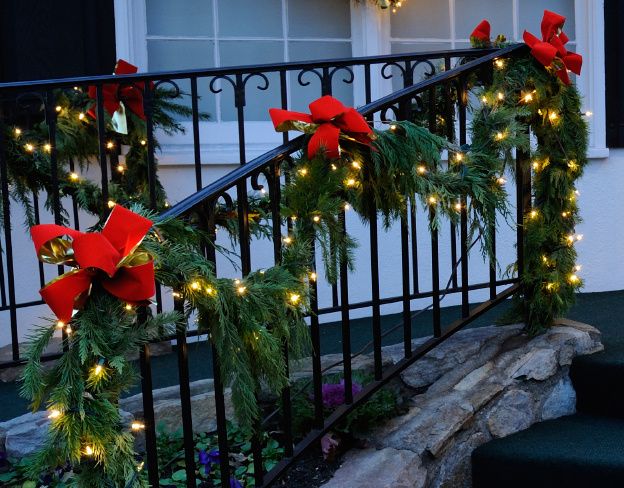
(328, 120)
(551, 51)
(481, 33)
(130, 95)
(108, 256)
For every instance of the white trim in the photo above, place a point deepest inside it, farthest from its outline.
(131, 32)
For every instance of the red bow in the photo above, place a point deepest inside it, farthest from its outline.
(481, 32)
(551, 51)
(328, 120)
(108, 256)
(130, 95)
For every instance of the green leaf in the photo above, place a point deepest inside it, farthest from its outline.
(179, 475)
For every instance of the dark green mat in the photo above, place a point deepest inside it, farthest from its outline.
(576, 451)
(600, 309)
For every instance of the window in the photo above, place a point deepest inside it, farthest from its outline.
(188, 34)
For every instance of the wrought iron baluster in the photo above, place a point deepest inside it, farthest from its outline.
(345, 321)
(196, 143)
(8, 241)
(462, 100)
(208, 223)
(185, 392)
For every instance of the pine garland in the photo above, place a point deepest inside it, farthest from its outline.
(525, 97)
(403, 162)
(248, 322)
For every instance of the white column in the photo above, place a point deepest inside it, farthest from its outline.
(131, 32)
(370, 34)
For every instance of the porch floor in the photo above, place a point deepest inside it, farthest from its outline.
(603, 310)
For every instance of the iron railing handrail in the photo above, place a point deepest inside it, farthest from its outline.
(214, 189)
(242, 69)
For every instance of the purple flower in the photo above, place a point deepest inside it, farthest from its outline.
(208, 458)
(234, 483)
(334, 393)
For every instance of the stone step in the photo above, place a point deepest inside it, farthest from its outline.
(574, 451)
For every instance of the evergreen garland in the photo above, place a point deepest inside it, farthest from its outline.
(402, 163)
(525, 97)
(248, 321)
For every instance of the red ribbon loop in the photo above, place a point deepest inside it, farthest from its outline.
(108, 256)
(113, 94)
(551, 51)
(482, 32)
(328, 120)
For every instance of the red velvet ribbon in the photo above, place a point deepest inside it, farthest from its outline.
(130, 95)
(482, 31)
(551, 51)
(107, 257)
(328, 120)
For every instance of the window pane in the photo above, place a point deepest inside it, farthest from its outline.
(301, 96)
(250, 18)
(319, 18)
(422, 19)
(531, 12)
(177, 55)
(179, 18)
(468, 13)
(258, 101)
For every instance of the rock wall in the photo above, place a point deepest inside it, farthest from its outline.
(480, 384)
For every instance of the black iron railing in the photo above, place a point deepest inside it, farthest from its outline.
(238, 185)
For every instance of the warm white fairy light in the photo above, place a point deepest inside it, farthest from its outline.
(89, 450)
(499, 63)
(350, 182)
(81, 116)
(421, 169)
(573, 278)
(47, 147)
(136, 426)
(294, 298)
(313, 276)
(356, 164)
(316, 219)
(143, 142)
(533, 214)
(432, 200)
(111, 203)
(60, 324)
(241, 289)
(500, 96)
(303, 171)
(287, 240)
(29, 147)
(501, 181)
(54, 414)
